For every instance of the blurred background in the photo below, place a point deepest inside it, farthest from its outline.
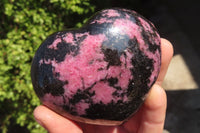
(25, 24)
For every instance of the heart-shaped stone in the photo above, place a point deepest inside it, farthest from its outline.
(100, 73)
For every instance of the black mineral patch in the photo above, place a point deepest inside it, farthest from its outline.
(47, 83)
(112, 57)
(112, 81)
(112, 111)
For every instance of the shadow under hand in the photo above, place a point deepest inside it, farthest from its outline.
(183, 111)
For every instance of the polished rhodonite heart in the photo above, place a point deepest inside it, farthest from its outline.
(100, 73)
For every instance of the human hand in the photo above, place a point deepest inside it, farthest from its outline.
(149, 118)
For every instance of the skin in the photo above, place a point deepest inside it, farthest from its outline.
(149, 119)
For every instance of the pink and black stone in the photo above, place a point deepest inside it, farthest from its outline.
(100, 73)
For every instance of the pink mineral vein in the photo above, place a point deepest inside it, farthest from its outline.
(133, 30)
(127, 16)
(148, 28)
(78, 35)
(122, 72)
(48, 98)
(156, 66)
(81, 107)
(103, 93)
(129, 28)
(112, 13)
(102, 20)
(54, 44)
(69, 38)
(146, 25)
(84, 66)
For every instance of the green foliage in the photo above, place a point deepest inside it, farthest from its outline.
(24, 25)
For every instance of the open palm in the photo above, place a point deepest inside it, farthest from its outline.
(149, 119)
